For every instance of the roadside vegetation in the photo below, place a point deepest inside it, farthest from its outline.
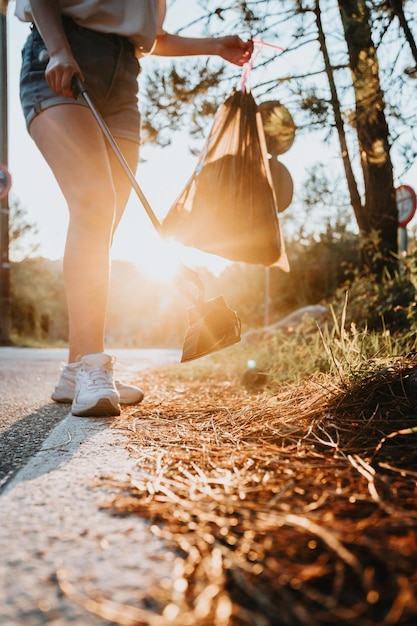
(284, 497)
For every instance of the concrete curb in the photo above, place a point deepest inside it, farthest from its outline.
(52, 527)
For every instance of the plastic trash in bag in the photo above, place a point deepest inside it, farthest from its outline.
(228, 206)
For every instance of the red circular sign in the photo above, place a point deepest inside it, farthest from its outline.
(406, 203)
(5, 182)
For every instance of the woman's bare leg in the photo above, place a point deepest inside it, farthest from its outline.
(73, 145)
(122, 188)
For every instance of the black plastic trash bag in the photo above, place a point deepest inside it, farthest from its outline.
(228, 207)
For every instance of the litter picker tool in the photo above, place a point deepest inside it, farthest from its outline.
(212, 324)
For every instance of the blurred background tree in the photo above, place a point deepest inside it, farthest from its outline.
(22, 233)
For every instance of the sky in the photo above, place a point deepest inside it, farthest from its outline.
(162, 177)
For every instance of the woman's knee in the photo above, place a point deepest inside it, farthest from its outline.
(93, 207)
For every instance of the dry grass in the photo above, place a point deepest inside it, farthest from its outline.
(292, 507)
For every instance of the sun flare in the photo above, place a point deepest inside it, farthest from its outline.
(162, 262)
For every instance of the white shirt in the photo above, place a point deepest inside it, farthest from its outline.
(138, 20)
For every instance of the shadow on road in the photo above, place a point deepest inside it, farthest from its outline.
(25, 438)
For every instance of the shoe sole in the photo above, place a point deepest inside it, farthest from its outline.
(64, 400)
(103, 408)
(61, 399)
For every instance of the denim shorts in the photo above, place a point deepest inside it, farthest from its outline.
(110, 71)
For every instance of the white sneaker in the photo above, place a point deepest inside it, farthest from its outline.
(65, 388)
(95, 392)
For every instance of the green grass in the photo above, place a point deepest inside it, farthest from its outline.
(290, 358)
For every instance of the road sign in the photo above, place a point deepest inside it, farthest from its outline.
(406, 203)
(5, 182)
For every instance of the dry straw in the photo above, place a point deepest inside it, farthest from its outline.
(290, 506)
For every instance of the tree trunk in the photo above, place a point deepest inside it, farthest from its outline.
(381, 245)
(397, 7)
(355, 198)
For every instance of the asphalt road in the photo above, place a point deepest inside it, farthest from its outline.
(27, 414)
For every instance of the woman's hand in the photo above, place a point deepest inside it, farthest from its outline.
(233, 49)
(60, 71)
(61, 66)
